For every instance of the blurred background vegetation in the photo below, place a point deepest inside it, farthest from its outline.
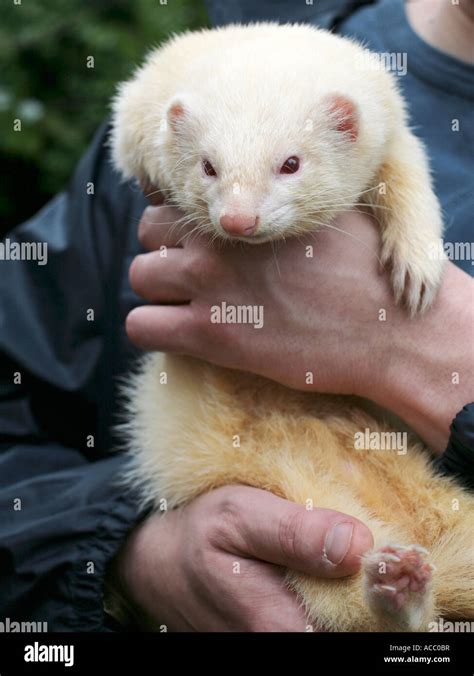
(45, 83)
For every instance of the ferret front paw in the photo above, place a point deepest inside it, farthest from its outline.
(397, 585)
(415, 278)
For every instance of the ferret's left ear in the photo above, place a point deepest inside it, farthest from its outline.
(343, 115)
(178, 114)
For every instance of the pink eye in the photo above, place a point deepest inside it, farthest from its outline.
(208, 168)
(290, 166)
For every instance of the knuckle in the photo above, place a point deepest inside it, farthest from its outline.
(226, 517)
(135, 273)
(195, 541)
(196, 547)
(146, 225)
(197, 269)
(291, 535)
(134, 328)
(196, 559)
(154, 227)
(143, 229)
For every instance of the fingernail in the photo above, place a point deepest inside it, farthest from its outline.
(153, 209)
(337, 542)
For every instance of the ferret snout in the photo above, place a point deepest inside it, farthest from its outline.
(239, 225)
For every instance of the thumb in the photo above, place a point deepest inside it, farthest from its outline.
(321, 542)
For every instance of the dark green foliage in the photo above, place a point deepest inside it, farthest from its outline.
(45, 83)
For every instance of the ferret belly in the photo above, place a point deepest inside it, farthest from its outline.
(199, 426)
(194, 427)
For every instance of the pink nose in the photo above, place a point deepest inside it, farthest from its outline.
(239, 225)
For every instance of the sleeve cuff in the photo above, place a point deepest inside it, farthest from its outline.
(86, 580)
(458, 458)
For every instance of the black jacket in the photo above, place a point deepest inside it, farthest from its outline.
(60, 511)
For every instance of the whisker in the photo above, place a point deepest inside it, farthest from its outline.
(275, 257)
(348, 197)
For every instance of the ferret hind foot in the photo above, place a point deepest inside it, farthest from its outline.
(397, 585)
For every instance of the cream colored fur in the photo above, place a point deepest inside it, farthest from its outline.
(251, 97)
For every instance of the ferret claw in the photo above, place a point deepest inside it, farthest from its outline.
(419, 548)
(385, 587)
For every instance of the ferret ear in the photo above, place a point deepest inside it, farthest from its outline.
(178, 113)
(343, 115)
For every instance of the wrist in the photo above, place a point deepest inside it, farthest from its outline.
(126, 581)
(429, 363)
(117, 603)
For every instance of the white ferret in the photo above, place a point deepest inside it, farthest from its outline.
(259, 132)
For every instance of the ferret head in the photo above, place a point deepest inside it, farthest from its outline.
(255, 160)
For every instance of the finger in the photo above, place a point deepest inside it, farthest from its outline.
(163, 328)
(255, 599)
(160, 279)
(152, 193)
(274, 606)
(161, 226)
(320, 542)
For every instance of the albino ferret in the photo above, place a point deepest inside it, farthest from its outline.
(261, 132)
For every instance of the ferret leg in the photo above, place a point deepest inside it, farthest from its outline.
(411, 223)
(397, 587)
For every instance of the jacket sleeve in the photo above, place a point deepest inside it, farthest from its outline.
(458, 458)
(63, 514)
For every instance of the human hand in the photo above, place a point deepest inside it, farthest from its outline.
(218, 563)
(318, 311)
(332, 315)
